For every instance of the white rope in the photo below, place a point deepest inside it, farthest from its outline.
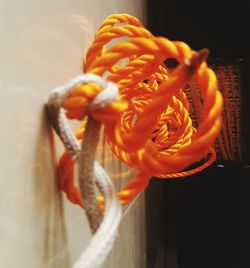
(103, 240)
(90, 172)
(86, 173)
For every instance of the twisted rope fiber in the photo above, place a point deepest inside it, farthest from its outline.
(149, 127)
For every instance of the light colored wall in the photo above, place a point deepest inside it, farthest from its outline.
(42, 43)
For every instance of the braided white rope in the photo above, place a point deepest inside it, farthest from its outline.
(104, 238)
(105, 228)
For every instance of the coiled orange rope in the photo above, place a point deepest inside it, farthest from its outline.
(149, 127)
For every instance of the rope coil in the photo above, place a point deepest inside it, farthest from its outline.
(146, 118)
(149, 126)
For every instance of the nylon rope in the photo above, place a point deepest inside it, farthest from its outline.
(148, 126)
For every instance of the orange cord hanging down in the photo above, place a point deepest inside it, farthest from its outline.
(149, 127)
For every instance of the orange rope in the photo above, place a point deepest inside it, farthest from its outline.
(149, 127)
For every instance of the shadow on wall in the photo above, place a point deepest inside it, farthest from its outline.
(45, 205)
(55, 249)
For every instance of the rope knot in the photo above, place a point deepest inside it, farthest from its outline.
(105, 97)
(108, 95)
(89, 94)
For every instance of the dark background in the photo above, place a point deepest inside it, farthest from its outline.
(221, 26)
(204, 217)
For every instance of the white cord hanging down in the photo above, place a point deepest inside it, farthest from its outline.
(104, 226)
(104, 238)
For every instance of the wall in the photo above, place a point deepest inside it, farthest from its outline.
(42, 46)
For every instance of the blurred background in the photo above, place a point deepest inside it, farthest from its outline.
(202, 220)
